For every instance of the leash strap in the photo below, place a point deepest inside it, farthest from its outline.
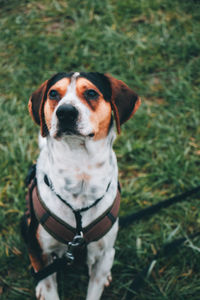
(54, 267)
(153, 209)
(111, 215)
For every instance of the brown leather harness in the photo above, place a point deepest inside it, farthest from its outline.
(64, 232)
(39, 213)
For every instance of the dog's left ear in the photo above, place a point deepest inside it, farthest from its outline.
(36, 107)
(124, 101)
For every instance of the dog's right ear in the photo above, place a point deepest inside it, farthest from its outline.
(36, 107)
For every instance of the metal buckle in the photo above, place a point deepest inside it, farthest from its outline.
(78, 241)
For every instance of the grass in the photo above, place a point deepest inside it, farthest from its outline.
(154, 47)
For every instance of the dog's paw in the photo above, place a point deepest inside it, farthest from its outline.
(108, 280)
(46, 290)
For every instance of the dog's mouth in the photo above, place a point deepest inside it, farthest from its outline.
(62, 132)
(65, 131)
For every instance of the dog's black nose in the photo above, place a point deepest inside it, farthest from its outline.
(67, 114)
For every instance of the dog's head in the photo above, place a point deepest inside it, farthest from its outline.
(82, 104)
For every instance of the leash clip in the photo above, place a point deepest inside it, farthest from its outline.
(78, 241)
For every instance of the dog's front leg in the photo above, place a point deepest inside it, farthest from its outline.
(100, 260)
(46, 289)
(100, 275)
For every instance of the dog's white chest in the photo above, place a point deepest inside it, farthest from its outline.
(80, 175)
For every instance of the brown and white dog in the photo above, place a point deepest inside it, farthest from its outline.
(74, 111)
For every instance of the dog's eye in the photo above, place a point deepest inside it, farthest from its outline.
(54, 95)
(91, 94)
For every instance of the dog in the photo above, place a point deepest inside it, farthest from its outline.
(75, 197)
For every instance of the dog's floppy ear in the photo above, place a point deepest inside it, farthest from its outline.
(36, 107)
(124, 101)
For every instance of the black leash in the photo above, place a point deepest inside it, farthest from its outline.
(151, 210)
(124, 222)
(54, 267)
(167, 249)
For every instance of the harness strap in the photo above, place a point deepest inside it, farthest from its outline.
(60, 230)
(78, 218)
(65, 233)
(102, 225)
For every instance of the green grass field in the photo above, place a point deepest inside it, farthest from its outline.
(154, 46)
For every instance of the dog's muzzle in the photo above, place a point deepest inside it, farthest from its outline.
(67, 116)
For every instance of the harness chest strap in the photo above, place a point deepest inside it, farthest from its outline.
(65, 233)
